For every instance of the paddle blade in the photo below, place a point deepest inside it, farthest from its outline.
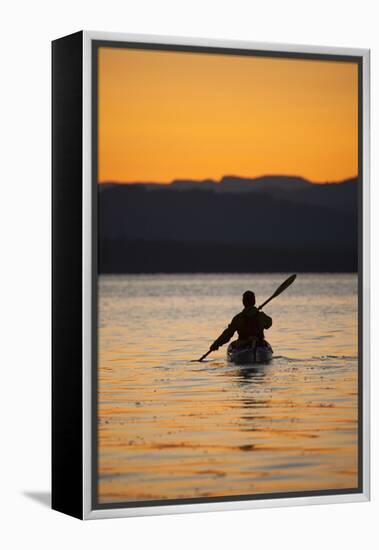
(284, 285)
(201, 358)
(279, 290)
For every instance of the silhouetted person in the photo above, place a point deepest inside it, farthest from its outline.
(249, 324)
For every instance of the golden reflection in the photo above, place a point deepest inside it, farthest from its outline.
(169, 428)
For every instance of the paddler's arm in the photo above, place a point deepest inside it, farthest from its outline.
(264, 320)
(224, 336)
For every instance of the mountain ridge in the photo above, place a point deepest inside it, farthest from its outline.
(232, 183)
(187, 226)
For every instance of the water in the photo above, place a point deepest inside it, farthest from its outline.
(169, 428)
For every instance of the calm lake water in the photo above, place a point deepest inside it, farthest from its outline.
(169, 428)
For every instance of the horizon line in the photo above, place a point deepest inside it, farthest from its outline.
(218, 181)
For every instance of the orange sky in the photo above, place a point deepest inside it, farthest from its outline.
(168, 115)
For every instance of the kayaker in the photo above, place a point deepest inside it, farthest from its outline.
(249, 324)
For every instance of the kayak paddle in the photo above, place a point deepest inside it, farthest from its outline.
(201, 358)
(278, 291)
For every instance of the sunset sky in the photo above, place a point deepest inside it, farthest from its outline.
(169, 115)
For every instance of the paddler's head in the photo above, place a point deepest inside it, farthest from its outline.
(248, 298)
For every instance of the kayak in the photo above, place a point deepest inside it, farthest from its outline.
(260, 354)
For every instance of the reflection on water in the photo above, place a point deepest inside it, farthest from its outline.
(169, 428)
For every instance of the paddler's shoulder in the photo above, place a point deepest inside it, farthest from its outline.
(246, 312)
(250, 311)
(237, 317)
